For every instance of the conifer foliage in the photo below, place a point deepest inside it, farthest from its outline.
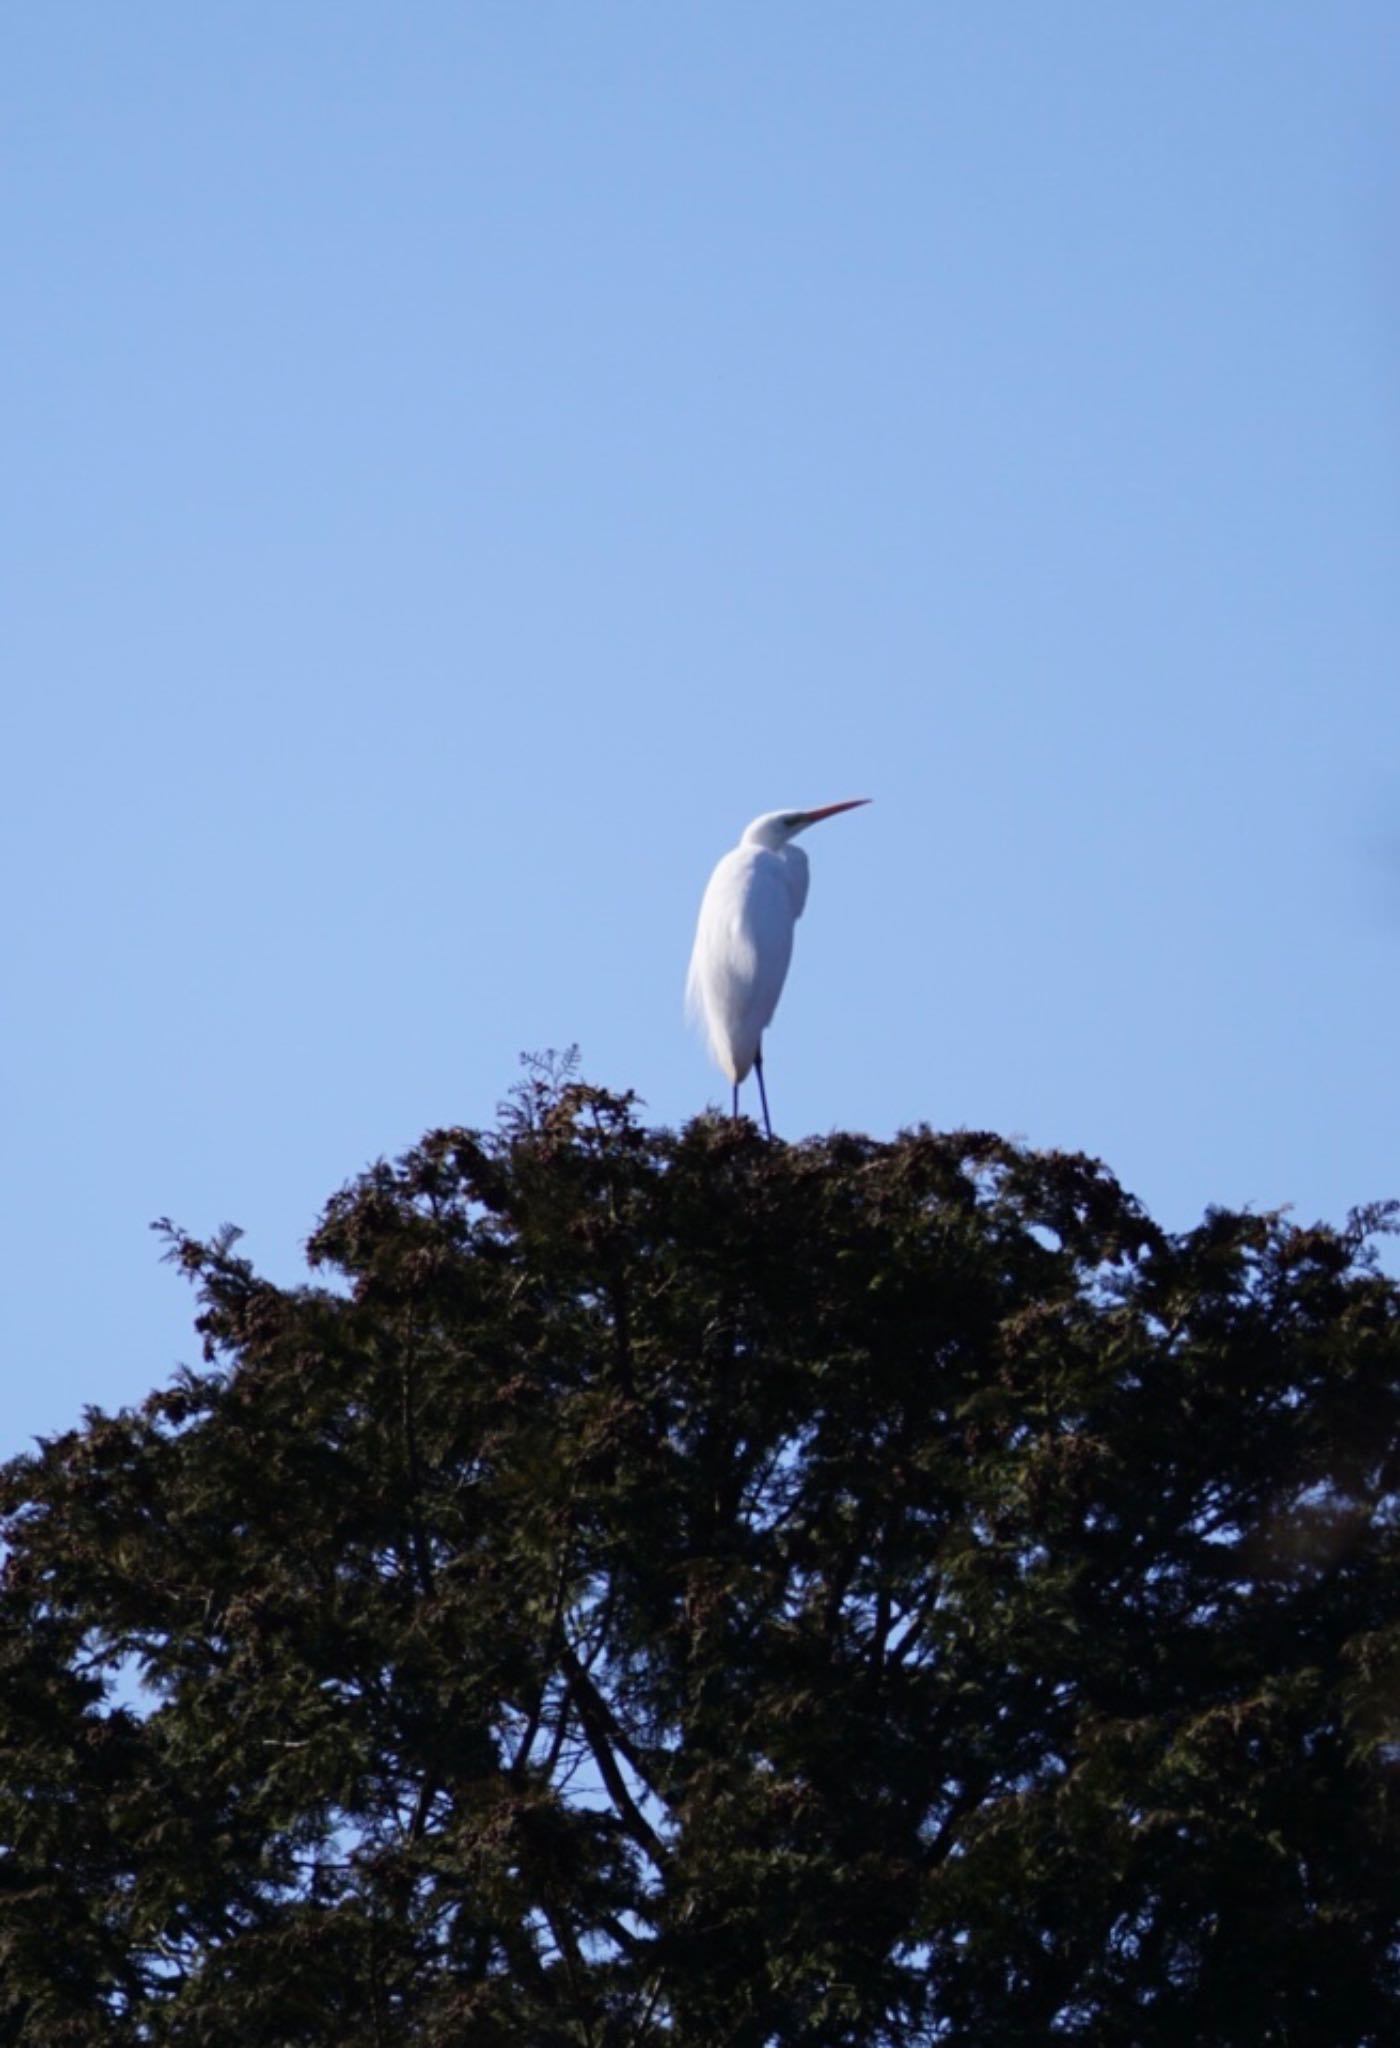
(669, 1588)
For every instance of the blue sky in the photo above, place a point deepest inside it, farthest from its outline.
(464, 461)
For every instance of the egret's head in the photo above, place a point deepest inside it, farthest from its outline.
(775, 828)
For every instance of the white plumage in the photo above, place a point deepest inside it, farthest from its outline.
(743, 942)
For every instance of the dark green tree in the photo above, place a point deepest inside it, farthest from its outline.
(670, 1588)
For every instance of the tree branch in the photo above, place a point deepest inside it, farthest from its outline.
(601, 1729)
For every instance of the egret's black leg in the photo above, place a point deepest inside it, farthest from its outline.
(735, 1111)
(762, 1092)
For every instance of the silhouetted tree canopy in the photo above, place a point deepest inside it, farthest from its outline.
(669, 1588)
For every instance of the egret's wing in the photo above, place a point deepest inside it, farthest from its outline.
(743, 944)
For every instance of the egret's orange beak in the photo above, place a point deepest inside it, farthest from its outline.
(852, 803)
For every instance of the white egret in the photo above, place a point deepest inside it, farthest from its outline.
(743, 942)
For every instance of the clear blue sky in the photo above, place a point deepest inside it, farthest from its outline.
(463, 460)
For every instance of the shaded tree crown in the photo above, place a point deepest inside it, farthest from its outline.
(663, 1587)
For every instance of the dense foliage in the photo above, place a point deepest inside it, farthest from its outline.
(668, 1588)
